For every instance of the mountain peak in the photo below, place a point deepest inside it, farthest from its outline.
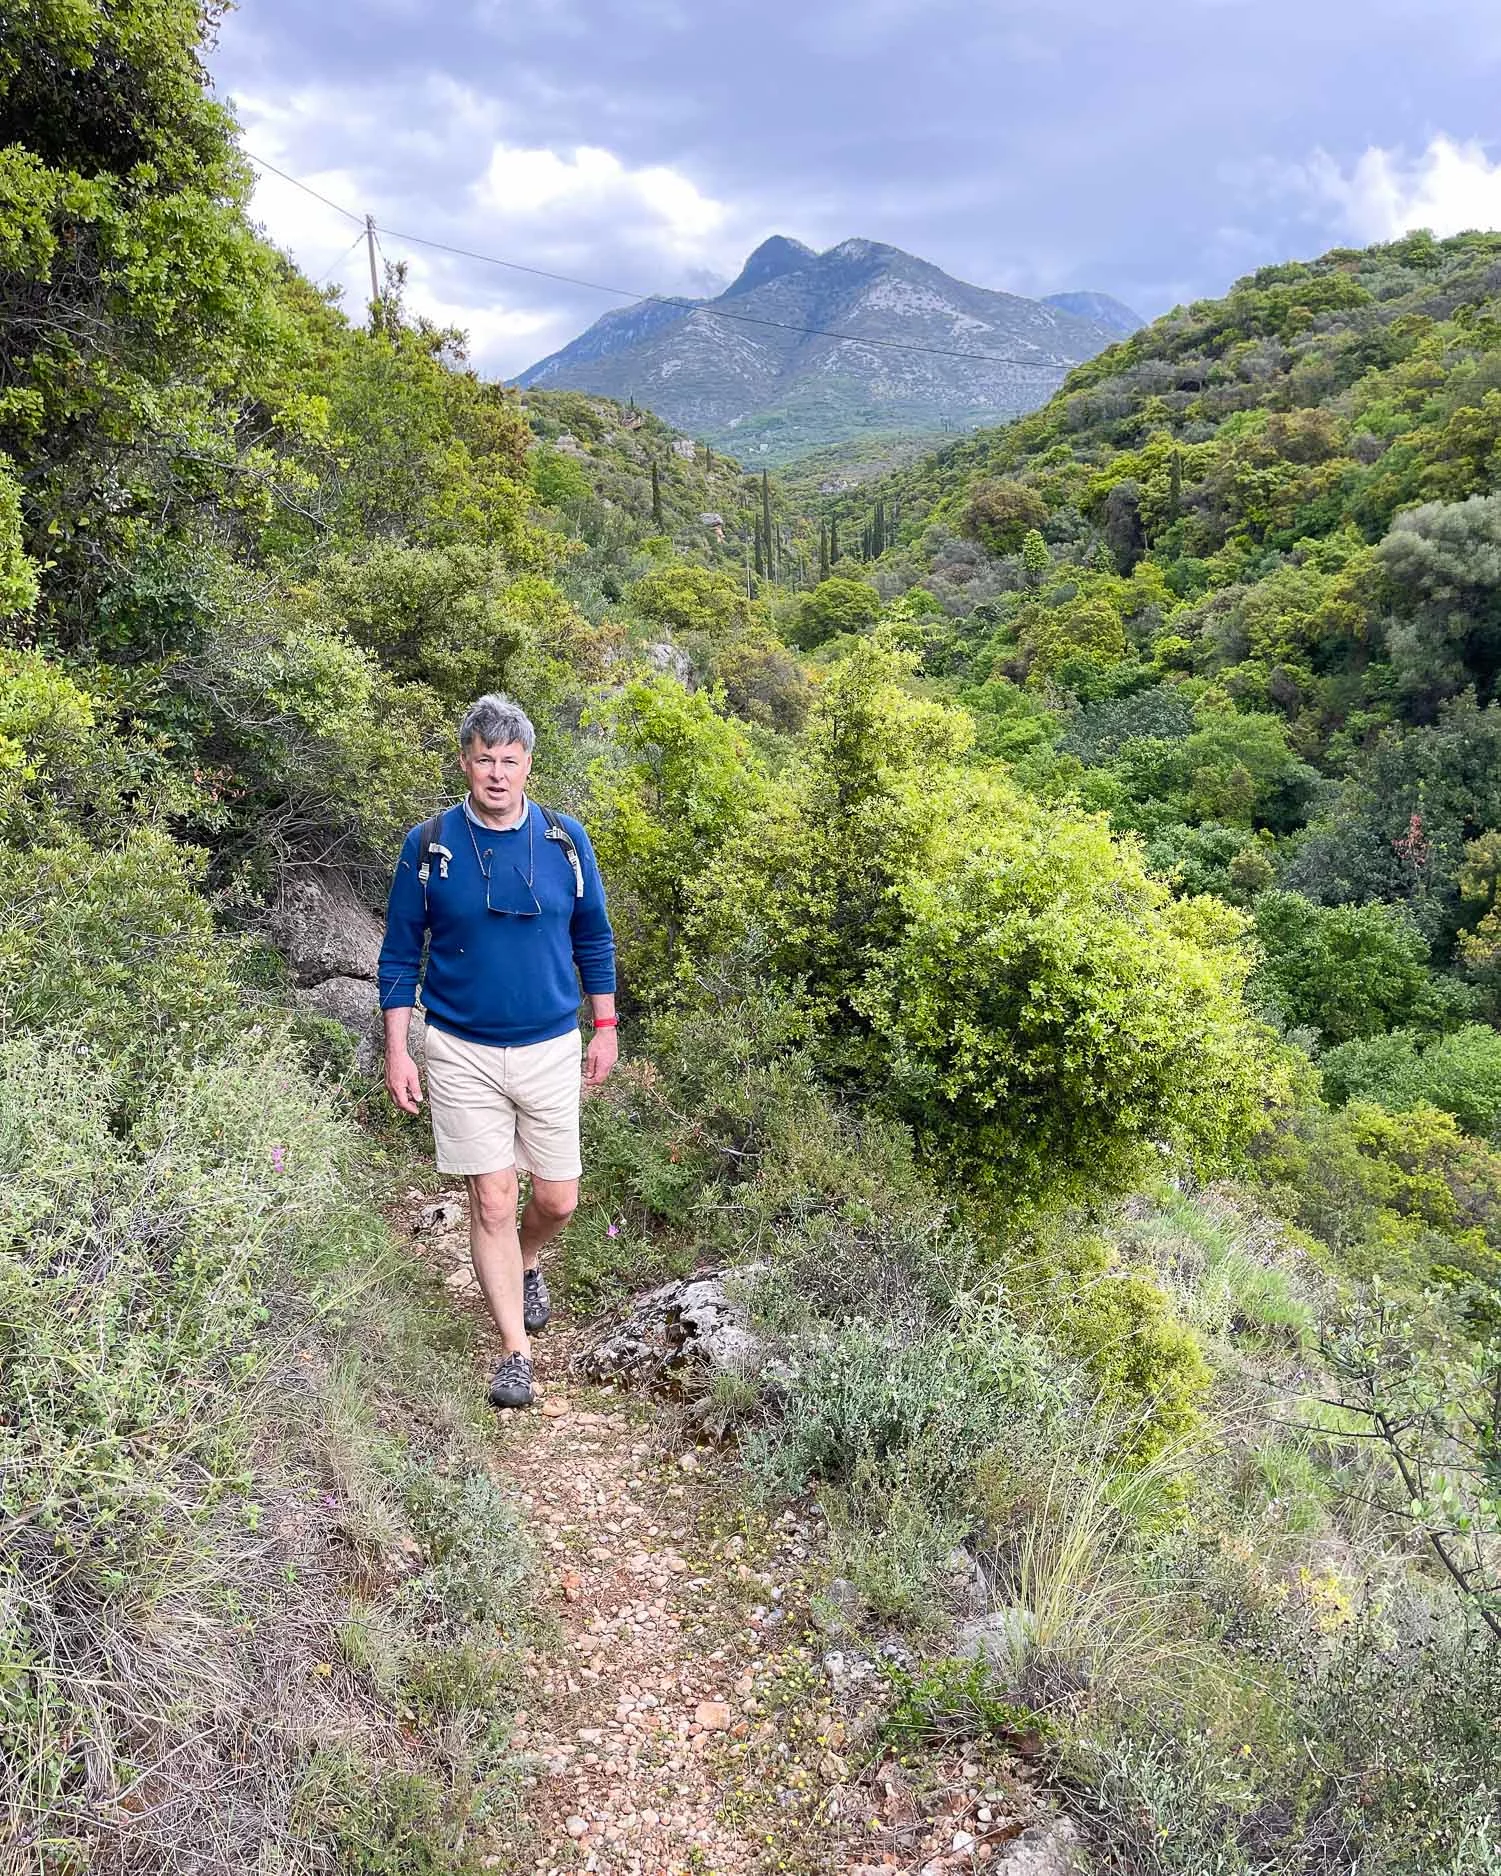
(810, 348)
(777, 255)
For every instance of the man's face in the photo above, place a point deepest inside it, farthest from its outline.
(496, 773)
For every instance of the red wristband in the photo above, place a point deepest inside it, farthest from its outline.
(607, 1022)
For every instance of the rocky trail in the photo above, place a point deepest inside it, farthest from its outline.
(696, 1708)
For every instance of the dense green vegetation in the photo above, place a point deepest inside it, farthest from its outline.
(1060, 964)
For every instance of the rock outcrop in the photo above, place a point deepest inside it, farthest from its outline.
(687, 1328)
(331, 941)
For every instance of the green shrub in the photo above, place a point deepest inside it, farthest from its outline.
(913, 1418)
(116, 942)
(1460, 1073)
(193, 1291)
(833, 608)
(1147, 1363)
(1342, 971)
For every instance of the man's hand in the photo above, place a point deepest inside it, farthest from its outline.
(403, 1083)
(603, 1053)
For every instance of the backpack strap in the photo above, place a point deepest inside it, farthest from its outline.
(558, 832)
(429, 843)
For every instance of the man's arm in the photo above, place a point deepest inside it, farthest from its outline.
(604, 1044)
(403, 1082)
(594, 955)
(400, 962)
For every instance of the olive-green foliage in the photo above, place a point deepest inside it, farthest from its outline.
(687, 599)
(1443, 561)
(677, 783)
(916, 1417)
(1011, 978)
(1146, 1363)
(46, 722)
(834, 607)
(1002, 514)
(1343, 971)
(118, 942)
(762, 680)
(1460, 1073)
(1381, 1761)
(556, 479)
(1409, 1196)
(1233, 769)
(18, 578)
(441, 616)
(1048, 1012)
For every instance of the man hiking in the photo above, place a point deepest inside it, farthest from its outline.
(509, 898)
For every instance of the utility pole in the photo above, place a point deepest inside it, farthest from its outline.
(374, 277)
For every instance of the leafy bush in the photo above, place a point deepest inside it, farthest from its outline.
(677, 783)
(117, 942)
(1047, 1012)
(911, 1418)
(834, 607)
(1342, 971)
(1117, 1322)
(1460, 1073)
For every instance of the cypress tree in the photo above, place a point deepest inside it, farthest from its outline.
(834, 540)
(823, 550)
(880, 530)
(656, 495)
(771, 572)
(760, 563)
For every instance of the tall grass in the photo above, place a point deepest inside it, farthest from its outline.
(230, 1436)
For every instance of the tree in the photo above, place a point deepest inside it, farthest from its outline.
(823, 550)
(1459, 1073)
(1342, 971)
(687, 599)
(656, 495)
(1443, 562)
(1037, 562)
(675, 783)
(835, 606)
(1125, 535)
(1000, 513)
(766, 535)
(1001, 973)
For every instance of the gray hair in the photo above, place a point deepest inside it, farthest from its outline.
(495, 719)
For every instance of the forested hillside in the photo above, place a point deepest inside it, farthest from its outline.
(1059, 973)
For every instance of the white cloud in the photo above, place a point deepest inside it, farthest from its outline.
(1450, 187)
(592, 183)
(449, 174)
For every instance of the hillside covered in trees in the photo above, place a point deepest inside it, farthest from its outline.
(1059, 972)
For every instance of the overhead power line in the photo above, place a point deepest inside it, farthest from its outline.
(659, 299)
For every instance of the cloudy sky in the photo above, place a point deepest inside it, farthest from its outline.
(1154, 150)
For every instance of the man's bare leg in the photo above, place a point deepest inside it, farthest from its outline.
(496, 1250)
(552, 1203)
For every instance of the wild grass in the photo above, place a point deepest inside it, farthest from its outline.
(246, 1525)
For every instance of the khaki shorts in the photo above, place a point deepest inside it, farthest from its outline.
(498, 1108)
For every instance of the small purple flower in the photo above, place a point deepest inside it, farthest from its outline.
(278, 1159)
(612, 1230)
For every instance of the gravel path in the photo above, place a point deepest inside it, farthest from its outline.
(660, 1621)
(688, 1720)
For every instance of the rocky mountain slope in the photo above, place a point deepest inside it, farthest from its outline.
(756, 372)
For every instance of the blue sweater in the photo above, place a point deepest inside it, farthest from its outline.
(493, 977)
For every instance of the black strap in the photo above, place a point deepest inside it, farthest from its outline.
(430, 842)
